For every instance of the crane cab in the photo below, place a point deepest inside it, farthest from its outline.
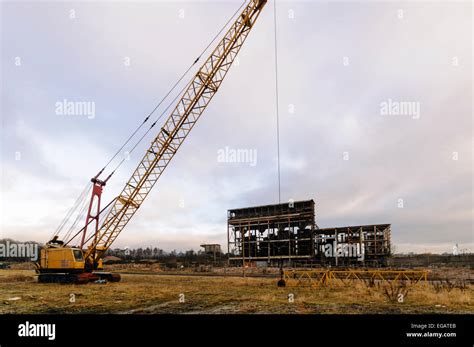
(61, 259)
(60, 264)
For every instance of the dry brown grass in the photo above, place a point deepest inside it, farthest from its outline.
(16, 278)
(14, 275)
(149, 293)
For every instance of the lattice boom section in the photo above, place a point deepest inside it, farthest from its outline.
(187, 111)
(325, 277)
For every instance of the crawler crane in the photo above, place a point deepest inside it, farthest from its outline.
(79, 259)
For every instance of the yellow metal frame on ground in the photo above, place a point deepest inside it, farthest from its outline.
(324, 277)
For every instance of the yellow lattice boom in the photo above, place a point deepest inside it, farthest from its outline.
(189, 108)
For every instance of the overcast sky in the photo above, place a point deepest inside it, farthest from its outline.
(339, 63)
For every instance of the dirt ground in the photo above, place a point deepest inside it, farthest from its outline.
(201, 294)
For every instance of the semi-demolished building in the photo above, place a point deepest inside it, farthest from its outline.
(288, 234)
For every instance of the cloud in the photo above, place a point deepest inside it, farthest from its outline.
(327, 109)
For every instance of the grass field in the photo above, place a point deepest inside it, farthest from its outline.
(148, 293)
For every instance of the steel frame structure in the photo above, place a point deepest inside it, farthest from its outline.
(374, 240)
(271, 233)
(287, 233)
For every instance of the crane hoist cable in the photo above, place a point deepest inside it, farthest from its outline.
(167, 95)
(172, 134)
(148, 116)
(80, 216)
(152, 125)
(102, 215)
(276, 100)
(190, 106)
(87, 189)
(102, 212)
(79, 201)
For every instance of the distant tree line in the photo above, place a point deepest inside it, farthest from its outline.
(159, 255)
(125, 254)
